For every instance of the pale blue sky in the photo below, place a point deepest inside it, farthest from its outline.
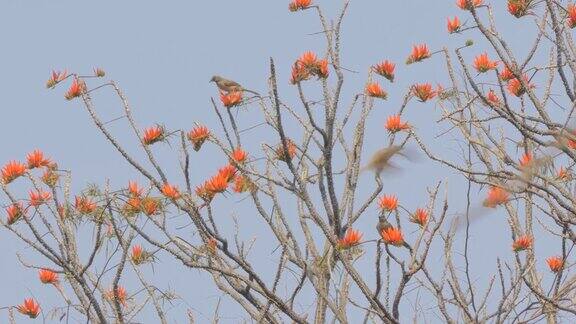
(162, 54)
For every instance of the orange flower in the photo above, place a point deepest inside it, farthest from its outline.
(453, 25)
(134, 189)
(75, 89)
(351, 238)
(493, 98)
(516, 88)
(198, 136)
(307, 65)
(420, 217)
(385, 69)
(84, 205)
(296, 5)
(231, 99)
(522, 243)
(506, 74)
(519, 8)
(555, 263)
(56, 77)
(282, 155)
(571, 142)
(36, 159)
(463, 4)
(496, 196)
(299, 73)
(38, 198)
(241, 184)
(120, 292)
(98, 72)
(563, 174)
(138, 254)
(419, 53)
(62, 211)
(150, 206)
(388, 202)
(322, 69)
(50, 178)
(483, 64)
(12, 170)
(227, 172)
(394, 124)
(48, 277)
(571, 9)
(14, 211)
(525, 160)
(203, 193)
(170, 191)
(133, 205)
(374, 90)
(392, 235)
(212, 245)
(239, 155)
(216, 184)
(309, 59)
(423, 91)
(153, 134)
(29, 307)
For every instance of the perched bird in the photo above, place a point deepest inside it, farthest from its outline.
(229, 85)
(382, 224)
(381, 159)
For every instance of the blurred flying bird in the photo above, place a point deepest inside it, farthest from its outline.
(381, 159)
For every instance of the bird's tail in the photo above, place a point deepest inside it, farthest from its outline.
(252, 91)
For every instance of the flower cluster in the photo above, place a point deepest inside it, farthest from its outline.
(231, 99)
(496, 196)
(392, 235)
(84, 205)
(516, 88)
(139, 255)
(571, 20)
(55, 78)
(468, 4)
(153, 135)
(296, 5)
(308, 65)
(288, 154)
(388, 203)
(29, 308)
(374, 90)
(385, 69)
(350, 239)
(394, 124)
(453, 25)
(75, 90)
(48, 277)
(423, 91)
(520, 8)
(197, 136)
(216, 184)
(419, 53)
(483, 64)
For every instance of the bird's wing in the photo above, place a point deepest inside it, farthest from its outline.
(474, 214)
(230, 83)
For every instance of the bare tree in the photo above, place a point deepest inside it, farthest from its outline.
(305, 188)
